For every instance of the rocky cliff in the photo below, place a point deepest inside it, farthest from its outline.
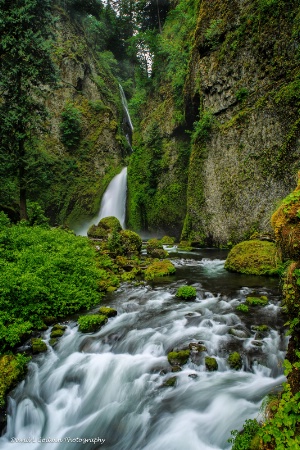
(241, 100)
(83, 145)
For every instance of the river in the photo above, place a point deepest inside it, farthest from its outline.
(109, 385)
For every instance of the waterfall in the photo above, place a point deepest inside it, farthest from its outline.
(113, 203)
(127, 124)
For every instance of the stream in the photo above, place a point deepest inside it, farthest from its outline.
(109, 385)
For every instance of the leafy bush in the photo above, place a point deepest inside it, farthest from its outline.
(186, 292)
(213, 33)
(241, 94)
(43, 272)
(12, 369)
(243, 441)
(91, 323)
(70, 126)
(203, 127)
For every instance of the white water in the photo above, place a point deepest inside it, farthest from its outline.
(125, 106)
(113, 203)
(107, 385)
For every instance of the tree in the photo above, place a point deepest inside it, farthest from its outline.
(25, 68)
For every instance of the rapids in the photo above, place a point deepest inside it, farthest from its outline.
(109, 385)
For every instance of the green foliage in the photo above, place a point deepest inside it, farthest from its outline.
(4, 220)
(107, 311)
(26, 66)
(131, 242)
(12, 369)
(70, 126)
(91, 323)
(36, 215)
(213, 33)
(43, 272)
(38, 345)
(243, 440)
(257, 301)
(203, 127)
(242, 308)
(241, 94)
(186, 292)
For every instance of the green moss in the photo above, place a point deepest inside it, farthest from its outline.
(38, 345)
(261, 328)
(179, 358)
(159, 269)
(242, 308)
(235, 361)
(56, 333)
(108, 312)
(254, 257)
(211, 364)
(12, 370)
(185, 246)
(186, 292)
(257, 301)
(91, 323)
(110, 223)
(167, 240)
(170, 382)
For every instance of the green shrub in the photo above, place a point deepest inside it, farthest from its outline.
(213, 33)
(242, 308)
(131, 242)
(186, 292)
(12, 369)
(203, 128)
(70, 126)
(43, 272)
(244, 440)
(242, 94)
(91, 323)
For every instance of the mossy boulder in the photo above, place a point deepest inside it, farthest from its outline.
(159, 269)
(38, 345)
(155, 249)
(257, 301)
(131, 242)
(254, 257)
(104, 228)
(235, 361)
(242, 308)
(211, 364)
(108, 312)
(196, 347)
(185, 246)
(179, 358)
(167, 240)
(186, 292)
(91, 323)
(286, 224)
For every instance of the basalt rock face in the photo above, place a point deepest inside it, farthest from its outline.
(243, 77)
(80, 169)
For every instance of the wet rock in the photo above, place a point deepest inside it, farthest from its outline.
(257, 343)
(197, 348)
(193, 375)
(238, 333)
(176, 369)
(108, 312)
(170, 382)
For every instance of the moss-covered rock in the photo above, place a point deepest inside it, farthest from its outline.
(12, 370)
(179, 358)
(196, 347)
(167, 240)
(254, 257)
(257, 301)
(159, 269)
(155, 249)
(108, 312)
(91, 323)
(185, 246)
(170, 382)
(104, 228)
(38, 345)
(131, 242)
(211, 364)
(235, 361)
(286, 224)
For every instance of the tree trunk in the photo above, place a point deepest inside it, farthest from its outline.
(158, 16)
(22, 182)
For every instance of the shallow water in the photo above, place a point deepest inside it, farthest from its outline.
(108, 385)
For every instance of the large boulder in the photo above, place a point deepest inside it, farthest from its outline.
(254, 257)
